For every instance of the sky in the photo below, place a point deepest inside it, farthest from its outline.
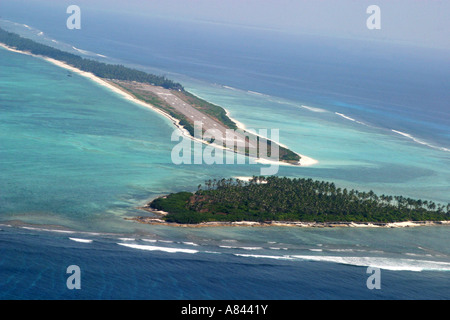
(418, 22)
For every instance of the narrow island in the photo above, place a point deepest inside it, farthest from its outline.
(259, 201)
(284, 201)
(161, 94)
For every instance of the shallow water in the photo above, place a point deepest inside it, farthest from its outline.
(224, 264)
(77, 156)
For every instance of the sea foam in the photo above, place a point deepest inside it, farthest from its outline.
(81, 240)
(407, 135)
(313, 109)
(156, 248)
(349, 118)
(393, 264)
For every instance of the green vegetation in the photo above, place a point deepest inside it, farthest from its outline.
(219, 114)
(155, 101)
(121, 75)
(100, 69)
(214, 111)
(283, 199)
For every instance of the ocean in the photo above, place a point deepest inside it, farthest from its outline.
(224, 264)
(76, 159)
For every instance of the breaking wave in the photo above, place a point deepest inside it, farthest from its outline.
(349, 118)
(81, 240)
(407, 135)
(313, 109)
(156, 248)
(258, 93)
(81, 51)
(392, 264)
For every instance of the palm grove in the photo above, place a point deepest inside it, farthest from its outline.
(283, 199)
(100, 69)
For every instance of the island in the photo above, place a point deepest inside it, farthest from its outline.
(277, 200)
(168, 97)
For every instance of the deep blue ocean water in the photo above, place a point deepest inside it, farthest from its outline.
(78, 157)
(33, 266)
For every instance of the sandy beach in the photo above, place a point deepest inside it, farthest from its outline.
(305, 160)
(158, 219)
(104, 83)
(300, 224)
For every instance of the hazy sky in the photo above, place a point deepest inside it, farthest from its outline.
(421, 22)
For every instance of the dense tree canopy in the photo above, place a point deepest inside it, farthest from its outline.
(100, 69)
(283, 199)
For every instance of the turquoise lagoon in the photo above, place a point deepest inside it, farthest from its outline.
(74, 154)
(79, 155)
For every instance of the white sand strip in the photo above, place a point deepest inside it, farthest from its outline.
(305, 161)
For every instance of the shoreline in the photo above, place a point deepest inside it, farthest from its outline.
(105, 83)
(300, 224)
(305, 161)
(128, 96)
(159, 213)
